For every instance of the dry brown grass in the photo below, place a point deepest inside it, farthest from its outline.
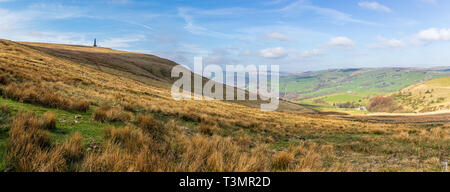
(4, 79)
(116, 114)
(151, 126)
(4, 109)
(111, 114)
(246, 139)
(207, 129)
(131, 107)
(82, 106)
(282, 160)
(49, 121)
(127, 137)
(100, 114)
(28, 146)
(72, 150)
(36, 94)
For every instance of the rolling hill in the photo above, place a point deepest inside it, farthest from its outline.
(148, 69)
(75, 108)
(325, 88)
(429, 96)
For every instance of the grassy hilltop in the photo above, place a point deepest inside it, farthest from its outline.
(429, 96)
(76, 108)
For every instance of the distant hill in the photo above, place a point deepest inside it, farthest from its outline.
(429, 96)
(356, 85)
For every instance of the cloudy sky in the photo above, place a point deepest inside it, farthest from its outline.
(299, 35)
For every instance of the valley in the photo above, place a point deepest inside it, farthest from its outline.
(91, 109)
(350, 90)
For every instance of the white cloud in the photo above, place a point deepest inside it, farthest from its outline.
(341, 42)
(334, 15)
(311, 53)
(374, 6)
(192, 27)
(434, 34)
(10, 20)
(388, 43)
(246, 53)
(22, 21)
(120, 42)
(55, 11)
(278, 36)
(274, 53)
(220, 56)
(421, 38)
(49, 37)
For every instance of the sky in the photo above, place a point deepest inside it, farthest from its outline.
(298, 35)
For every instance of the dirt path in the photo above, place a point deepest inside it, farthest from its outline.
(428, 118)
(410, 114)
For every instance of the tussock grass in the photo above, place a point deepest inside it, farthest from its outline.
(72, 150)
(151, 126)
(30, 149)
(245, 139)
(111, 114)
(129, 138)
(49, 121)
(4, 110)
(82, 106)
(4, 79)
(35, 94)
(5, 114)
(100, 114)
(28, 146)
(207, 129)
(282, 160)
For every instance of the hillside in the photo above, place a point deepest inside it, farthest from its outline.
(429, 96)
(74, 108)
(336, 87)
(148, 69)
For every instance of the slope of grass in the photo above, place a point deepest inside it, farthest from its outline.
(147, 69)
(441, 82)
(68, 123)
(426, 97)
(185, 135)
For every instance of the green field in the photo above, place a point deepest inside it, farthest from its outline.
(325, 88)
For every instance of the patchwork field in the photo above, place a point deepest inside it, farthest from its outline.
(74, 108)
(343, 89)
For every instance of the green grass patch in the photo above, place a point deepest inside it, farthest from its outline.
(2, 149)
(67, 122)
(283, 144)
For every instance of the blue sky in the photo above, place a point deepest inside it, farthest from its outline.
(299, 35)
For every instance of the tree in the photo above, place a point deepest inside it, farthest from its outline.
(382, 104)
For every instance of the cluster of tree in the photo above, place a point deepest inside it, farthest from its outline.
(383, 104)
(347, 104)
